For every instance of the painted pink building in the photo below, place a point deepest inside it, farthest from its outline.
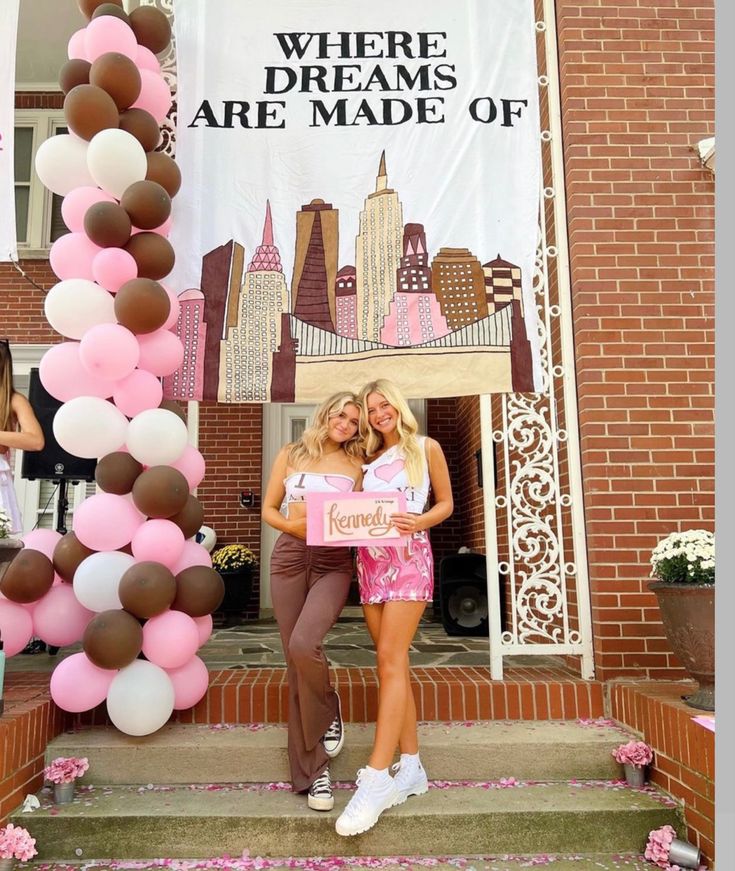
(346, 302)
(187, 382)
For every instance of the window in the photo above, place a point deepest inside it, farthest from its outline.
(37, 210)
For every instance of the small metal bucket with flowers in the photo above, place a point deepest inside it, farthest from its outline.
(62, 772)
(635, 757)
(235, 563)
(15, 843)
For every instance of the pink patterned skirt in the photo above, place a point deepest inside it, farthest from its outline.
(397, 574)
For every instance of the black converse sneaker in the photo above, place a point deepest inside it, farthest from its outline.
(320, 796)
(334, 738)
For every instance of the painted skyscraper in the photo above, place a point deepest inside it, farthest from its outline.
(246, 351)
(414, 315)
(187, 382)
(502, 280)
(346, 298)
(315, 264)
(459, 284)
(377, 255)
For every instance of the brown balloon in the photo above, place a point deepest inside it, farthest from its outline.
(160, 491)
(153, 255)
(163, 169)
(88, 110)
(142, 305)
(89, 7)
(112, 639)
(147, 589)
(147, 203)
(68, 553)
(143, 126)
(151, 28)
(116, 472)
(108, 8)
(119, 76)
(172, 405)
(107, 225)
(199, 591)
(28, 577)
(190, 518)
(74, 72)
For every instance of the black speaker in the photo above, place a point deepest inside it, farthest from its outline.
(53, 463)
(463, 594)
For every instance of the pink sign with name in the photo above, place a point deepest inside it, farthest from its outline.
(353, 519)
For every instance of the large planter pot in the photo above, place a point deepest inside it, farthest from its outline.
(9, 548)
(238, 586)
(688, 614)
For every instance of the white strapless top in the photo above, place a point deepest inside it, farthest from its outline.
(388, 472)
(299, 484)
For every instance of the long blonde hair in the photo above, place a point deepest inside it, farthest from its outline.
(7, 389)
(406, 425)
(310, 446)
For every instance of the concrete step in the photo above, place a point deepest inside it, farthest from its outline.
(594, 862)
(184, 822)
(480, 750)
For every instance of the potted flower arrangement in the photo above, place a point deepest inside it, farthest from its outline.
(684, 565)
(235, 562)
(666, 851)
(634, 757)
(62, 772)
(15, 843)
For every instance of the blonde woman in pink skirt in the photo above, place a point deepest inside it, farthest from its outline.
(395, 585)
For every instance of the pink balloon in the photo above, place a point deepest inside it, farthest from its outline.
(63, 375)
(108, 33)
(16, 627)
(159, 541)
(155, 95)
(193, 554)
(76, 47)
(170, 639)
(44, 540)
(59, 618)
(75, 204)
(161, 352)
(205, 625)
(71, 256)
(191, 466)
(112, 267)
(106, 521)
(146, 60)
(137, 392)
(109, 351)
(79, 685)
(173, 315)
(190, 681)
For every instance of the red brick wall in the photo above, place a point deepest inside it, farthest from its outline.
(21, 304)
(637, 94)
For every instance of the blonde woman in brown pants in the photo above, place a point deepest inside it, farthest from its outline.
(309, 587)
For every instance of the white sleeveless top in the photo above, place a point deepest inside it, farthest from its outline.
(388, 472)
(298, 484)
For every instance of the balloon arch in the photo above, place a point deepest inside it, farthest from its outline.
(129, 580)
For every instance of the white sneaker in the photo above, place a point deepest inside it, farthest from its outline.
(320, 796)
(334, 738)
(375, 793)
(410, 778)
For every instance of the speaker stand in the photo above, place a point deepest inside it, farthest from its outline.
(62, 505)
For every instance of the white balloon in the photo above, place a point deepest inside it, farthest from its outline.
(156, 437)
(61, 163)
(90, 427)
(141, 698)
(115, 160)
(76, 304)
(97, 579)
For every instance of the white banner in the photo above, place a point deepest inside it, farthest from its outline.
(360, 197)
(8, 36)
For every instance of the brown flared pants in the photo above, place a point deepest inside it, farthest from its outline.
(309, 588)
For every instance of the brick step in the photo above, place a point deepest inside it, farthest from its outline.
(477, 751)
(180, 822)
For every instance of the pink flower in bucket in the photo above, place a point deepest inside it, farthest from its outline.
(16, 843)
(636, 753)
(66, 769)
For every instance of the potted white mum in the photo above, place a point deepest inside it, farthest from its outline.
(684, 564)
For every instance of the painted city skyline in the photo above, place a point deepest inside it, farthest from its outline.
(258, 327)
